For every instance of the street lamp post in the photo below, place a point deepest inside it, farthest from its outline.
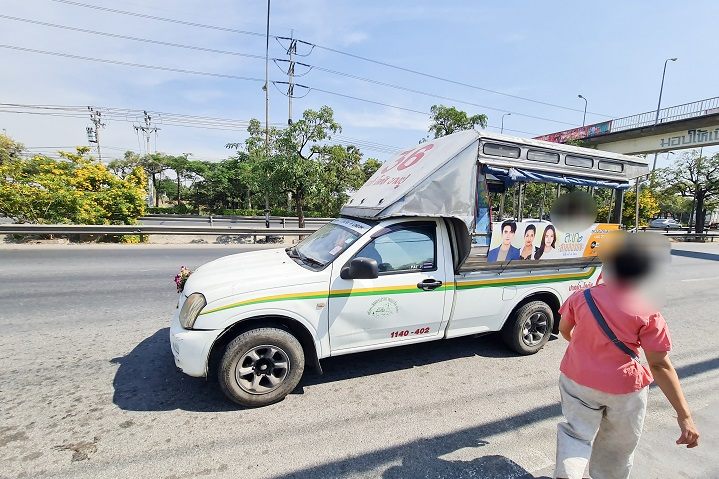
(656, 121)
(584, 119)
(501, 130)
(661, 88)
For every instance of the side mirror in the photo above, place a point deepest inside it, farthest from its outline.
(360, 268)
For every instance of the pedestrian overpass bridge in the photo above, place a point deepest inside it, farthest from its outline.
(692, 125)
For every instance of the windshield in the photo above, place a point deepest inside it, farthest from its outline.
(324, 245)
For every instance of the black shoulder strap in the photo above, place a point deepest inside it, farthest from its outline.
(605, 327)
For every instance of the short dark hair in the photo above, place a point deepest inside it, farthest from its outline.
(530, 227)
(631, 261)
(512, 225)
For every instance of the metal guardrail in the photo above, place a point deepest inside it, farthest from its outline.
(6, 229)
(282, 219)
(672, 113)
(695, 109)
(149, 229)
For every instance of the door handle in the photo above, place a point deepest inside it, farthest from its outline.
(429, 284)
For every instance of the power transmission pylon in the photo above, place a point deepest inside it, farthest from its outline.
(291, 50)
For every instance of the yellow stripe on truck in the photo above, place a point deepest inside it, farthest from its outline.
(408, 289)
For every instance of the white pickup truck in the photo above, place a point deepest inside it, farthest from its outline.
(410, 260)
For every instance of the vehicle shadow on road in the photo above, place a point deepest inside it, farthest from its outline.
(148, 380)
(426, 457)
(487, 467)
(406, 357)
(695, 254)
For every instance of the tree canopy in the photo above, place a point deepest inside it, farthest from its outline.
(447, 120)
(76, 189)
(693, 176)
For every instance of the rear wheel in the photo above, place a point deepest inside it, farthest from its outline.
(528, 328)
(261, 367)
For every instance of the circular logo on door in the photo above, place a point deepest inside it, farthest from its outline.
(383, 307)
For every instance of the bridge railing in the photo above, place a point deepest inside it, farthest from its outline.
(672, 113)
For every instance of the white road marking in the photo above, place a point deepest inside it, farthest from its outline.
(698, 279)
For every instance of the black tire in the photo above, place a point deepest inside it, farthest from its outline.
(528, 328)
(272, 347)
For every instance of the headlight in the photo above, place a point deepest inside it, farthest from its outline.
(191, 309)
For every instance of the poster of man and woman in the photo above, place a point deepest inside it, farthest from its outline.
(527, 240)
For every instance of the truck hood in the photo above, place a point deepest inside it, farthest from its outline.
(248, 272)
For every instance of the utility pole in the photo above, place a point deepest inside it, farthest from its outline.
(93, 133)
(147, 130)
(267, 97)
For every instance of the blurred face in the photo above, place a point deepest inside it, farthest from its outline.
(529, 238)
(548, 238)
(507, 235)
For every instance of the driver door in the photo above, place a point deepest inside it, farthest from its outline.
(406, 301)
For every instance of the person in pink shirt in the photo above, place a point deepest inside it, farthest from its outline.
(603, 385)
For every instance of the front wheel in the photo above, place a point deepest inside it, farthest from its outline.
(528, 328)
(261, 367)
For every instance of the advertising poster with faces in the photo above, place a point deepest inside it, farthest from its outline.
(541, 240)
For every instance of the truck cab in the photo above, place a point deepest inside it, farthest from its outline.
(414, 257)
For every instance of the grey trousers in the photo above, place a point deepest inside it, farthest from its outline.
(602, 430)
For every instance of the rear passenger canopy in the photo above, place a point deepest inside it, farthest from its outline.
(439, 178)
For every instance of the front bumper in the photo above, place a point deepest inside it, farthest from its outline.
(191, 347)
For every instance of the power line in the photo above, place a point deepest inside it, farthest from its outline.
(291, 49)
(135, 39)
(128, 64)
(160, 19)
(169, 119)
(419, 92)
(187, 121)
(195, 72)
(449, 80)
(333, 50)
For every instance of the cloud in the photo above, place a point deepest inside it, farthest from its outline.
(354, 38)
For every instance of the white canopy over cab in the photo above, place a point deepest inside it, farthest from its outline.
(437, 178)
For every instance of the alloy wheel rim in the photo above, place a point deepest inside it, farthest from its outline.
(535, 328)
(262, 369)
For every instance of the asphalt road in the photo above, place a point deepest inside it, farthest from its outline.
(88, 388)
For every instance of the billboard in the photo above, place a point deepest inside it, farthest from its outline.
(541, 240)
(578, 133)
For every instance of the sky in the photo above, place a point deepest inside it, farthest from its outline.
(611, 52)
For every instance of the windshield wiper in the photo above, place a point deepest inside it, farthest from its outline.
(292, 252)
(314, 261)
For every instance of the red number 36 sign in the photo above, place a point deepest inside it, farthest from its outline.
(408, 158)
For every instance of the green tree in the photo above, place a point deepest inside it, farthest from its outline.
(9, 149)
(154, 165)
(648, 207)
(183, 168)
(673, 204)
(447, 120)
(693, 176)
(291, 164)
(76, 189)
(341, 172)
(370, 166)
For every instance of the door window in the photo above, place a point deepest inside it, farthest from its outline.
(403, 249)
